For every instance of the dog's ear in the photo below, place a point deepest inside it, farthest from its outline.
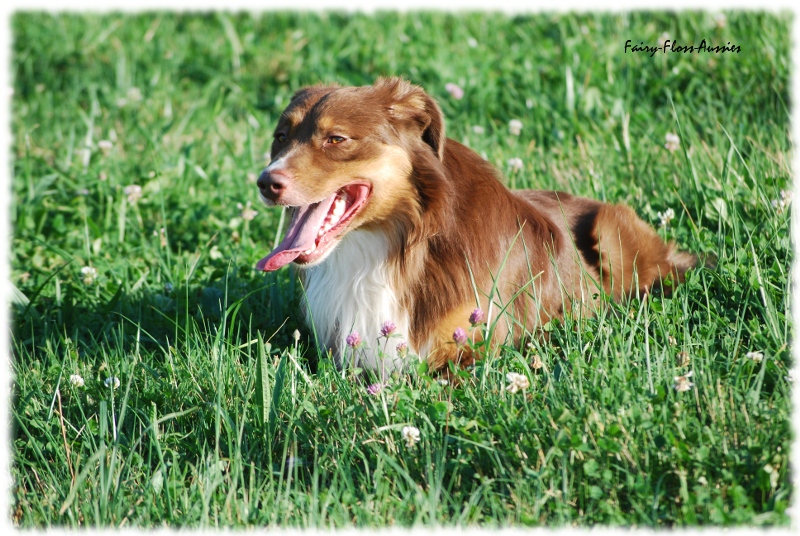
(407, 102)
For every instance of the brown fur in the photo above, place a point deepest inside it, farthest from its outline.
(450, 221)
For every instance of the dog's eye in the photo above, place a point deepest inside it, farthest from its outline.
(336, 139)
(280, 137)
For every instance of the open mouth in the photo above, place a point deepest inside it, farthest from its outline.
(313, 229)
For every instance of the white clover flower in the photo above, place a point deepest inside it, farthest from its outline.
(666, 217)
(247, 213)
(472, 42)
(781, 203)
(517, 382)
(105, 146)
(76, 380)
(773, 475)
(134, 193)
(756, 356)
(443, 382)
(673, 142)
(112, 382)
(536, 362)
(410, 435)
(89, 274)
(683, 358)
(515, 127)
(682, 383)
(477, 129)
(515, 164)
(790, 375)
(720, 20)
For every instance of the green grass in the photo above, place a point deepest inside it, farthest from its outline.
(222, 419)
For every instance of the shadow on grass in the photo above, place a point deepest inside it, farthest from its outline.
(156, 319)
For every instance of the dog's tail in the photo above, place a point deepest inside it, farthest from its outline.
(635, 260)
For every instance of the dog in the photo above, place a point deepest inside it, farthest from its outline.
(392, 221)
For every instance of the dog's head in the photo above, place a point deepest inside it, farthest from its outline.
(342, 158)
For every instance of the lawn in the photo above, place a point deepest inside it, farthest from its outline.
(160, 380)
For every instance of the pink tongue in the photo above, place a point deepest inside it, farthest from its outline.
(300, 236)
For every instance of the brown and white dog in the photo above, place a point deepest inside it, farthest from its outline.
(390, 220)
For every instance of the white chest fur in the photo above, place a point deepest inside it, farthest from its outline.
(350, 291)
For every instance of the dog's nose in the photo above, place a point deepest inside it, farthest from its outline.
(272, 184)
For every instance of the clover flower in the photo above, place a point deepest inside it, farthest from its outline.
(477, 316)
(536, 362)
(374, 389)
(410, 435)
(402, 349)
(682, 383)
(112, 382)
(89, 274)
(515, 127)
(76, 380)
(517, 382)
(515, 164)
(460, 336)
(666, 217)
(387, 328)
(353, 340)
(247, 213)
(134, 193)
(783, 202)
(673, 142)
(455, 90)
(756, 356)
(477, 129)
